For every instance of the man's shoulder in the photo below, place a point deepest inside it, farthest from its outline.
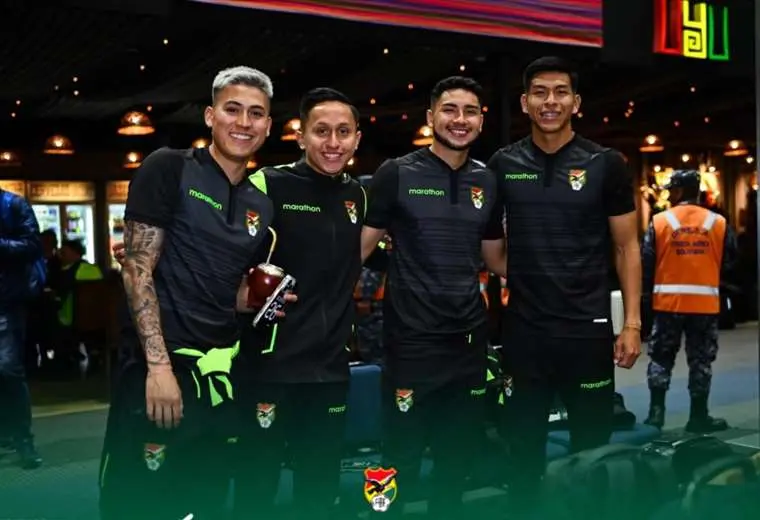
(518, 147)
(408, 159)
(593, 148)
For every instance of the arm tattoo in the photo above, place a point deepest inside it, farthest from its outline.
(143, 248)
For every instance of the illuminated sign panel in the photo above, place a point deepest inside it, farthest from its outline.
(692, 29)
(575, 22)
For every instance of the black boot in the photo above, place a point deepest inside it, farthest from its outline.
(700, 420)
(27, 453)
(656, 415)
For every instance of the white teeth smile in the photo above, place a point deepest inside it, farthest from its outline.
(242, 137)
(549, 115)
(458, 132)
(331, 156)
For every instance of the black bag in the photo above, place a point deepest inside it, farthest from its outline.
(625, 482)
(703, 501)
(611, 482)
(685, 455)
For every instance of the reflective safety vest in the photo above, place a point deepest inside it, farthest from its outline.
(483, 279)
(504, 292)
(689, 244)
(378, 295)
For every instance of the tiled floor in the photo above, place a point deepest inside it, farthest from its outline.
(69, 436)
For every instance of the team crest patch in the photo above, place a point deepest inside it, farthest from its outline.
(476, 194)
(154, 455)
(265, 414)
(404, 399)
(380, 488)
(252, 222)
(577, 179)
(351, 210)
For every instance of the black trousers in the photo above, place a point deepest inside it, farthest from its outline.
(299, 424)
(15, 402)
(449, 419)
(580, 372)
(151, 473)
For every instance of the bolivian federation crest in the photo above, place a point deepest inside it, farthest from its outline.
(380, 488)
(404, 399)
(154, 455)
(351, 210)
(265, 414)
(252, 222)
(577, 179)
(476, 195)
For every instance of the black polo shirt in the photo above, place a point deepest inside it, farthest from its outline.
(558, 234)
(437, 218)
(318, 221)
(213, 230)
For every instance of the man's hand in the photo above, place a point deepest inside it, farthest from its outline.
(119, 252)
(163, 399)
(627, 347)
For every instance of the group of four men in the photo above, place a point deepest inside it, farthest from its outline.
(223, 398)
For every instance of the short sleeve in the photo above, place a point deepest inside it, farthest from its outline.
(494, 227)
(154, 189)
(383, 195)
(618, 186)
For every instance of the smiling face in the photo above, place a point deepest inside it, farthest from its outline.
(456, 119)
(329, 137)
(239, 121)
(550, 101)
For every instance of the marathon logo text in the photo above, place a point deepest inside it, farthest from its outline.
(521, 176)
(205, 198)
(427, 192)
(302, 207)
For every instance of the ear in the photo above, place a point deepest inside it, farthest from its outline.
(577, 104)
(208, 116)
(429, 117)
(269, 125)
(299, 139)
(524, 103)
(358, 139)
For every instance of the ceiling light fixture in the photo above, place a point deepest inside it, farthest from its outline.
(651, 144)
(423, 137)
(58, 145)
(133, 160)
(290, 132)
(135, 123)
(735, 148)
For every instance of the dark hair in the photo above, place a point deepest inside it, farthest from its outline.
(320, 95)
(74, 245)
(456, 83)
(550, 64)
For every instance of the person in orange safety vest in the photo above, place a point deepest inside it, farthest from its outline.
(686, 252)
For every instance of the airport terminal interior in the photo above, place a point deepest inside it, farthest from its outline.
(90, 88)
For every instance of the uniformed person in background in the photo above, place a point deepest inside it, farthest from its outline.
(687, 252)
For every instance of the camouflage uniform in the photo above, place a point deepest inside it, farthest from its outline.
(701, 331)
(370, 326)
(701, 349)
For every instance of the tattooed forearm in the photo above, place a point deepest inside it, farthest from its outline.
(143, 248)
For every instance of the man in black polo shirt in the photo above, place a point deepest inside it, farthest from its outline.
(443, 213)
(193, 227)
(568, 201)
(296, 373)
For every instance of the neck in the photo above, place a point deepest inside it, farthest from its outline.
(552, 143)
(232, 168)
(454, 158)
